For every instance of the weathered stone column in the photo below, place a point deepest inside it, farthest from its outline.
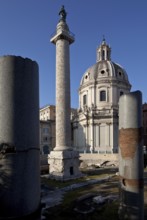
(64, 162)
(63, 125)
(131, 157)
(19, 137)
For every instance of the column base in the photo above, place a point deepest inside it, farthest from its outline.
(64, 165)
(63, 148)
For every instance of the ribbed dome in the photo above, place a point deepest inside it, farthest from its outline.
(104, 69)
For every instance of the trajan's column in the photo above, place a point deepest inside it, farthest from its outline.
(64, 162)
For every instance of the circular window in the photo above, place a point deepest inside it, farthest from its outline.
(102, 72)
(86, 77)
(120, 73)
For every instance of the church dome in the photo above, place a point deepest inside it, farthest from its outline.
(97, 123)
(104, 68)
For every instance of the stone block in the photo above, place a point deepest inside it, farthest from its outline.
(64, 165)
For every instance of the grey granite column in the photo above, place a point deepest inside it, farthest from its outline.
(19, 137)
(131, 157)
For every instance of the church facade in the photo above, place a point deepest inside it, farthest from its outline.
(95, 126)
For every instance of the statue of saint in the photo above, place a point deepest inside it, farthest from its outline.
(62, 13)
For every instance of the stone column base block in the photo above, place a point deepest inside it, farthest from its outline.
(64, 165)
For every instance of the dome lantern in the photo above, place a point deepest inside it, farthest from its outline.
(103, 51)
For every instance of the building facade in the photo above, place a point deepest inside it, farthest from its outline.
(47, 136)
(47, 129)
(48, 112)
(95, 126)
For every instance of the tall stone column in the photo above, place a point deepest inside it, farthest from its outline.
(19, 137)
(64, 162)
(131, 157)
(63, 125)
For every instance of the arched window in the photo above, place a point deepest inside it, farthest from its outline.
(103, 55)
(107, 54)
(121, 93)
(45, 149)
(103, 95)
(84, 99)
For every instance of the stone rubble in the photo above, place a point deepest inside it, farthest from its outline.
(55, 197)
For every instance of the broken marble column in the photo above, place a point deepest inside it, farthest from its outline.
(131, 157)
(19, 137)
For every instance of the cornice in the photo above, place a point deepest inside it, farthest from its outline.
(111, 82)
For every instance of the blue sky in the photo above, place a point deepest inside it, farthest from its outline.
(26, 27)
